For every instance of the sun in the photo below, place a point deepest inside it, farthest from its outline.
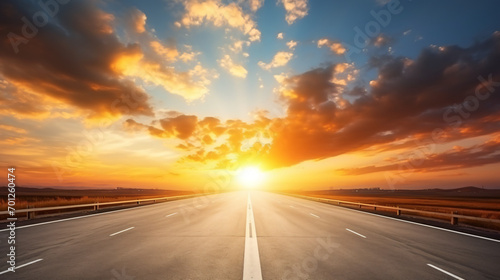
(250, 177)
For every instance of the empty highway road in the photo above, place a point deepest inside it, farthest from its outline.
(245, 235)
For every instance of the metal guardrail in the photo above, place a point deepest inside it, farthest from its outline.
(96, 206)
(452, 216)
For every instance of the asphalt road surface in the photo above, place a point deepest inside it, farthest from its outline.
(245, 235)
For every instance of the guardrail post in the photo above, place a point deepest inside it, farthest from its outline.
(398, 212)
(454, 220)
(96, 206)
(30, 214)
(138, 202)
(374, 208)
(359, 206)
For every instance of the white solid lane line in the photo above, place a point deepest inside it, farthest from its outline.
(171, 214)
(251, 261)
(23, 265)
(121, 231)
(355, 233)
(314, 215)
(445, 272)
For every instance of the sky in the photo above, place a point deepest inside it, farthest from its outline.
(188, 94)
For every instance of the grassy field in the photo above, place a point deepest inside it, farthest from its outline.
(468, 201)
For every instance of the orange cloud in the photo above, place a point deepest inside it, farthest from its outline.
(87, 40)
(455, 158)
(336, 47)
(170, 54)
(320, 123)
(12, 128)
(237, 46)
(191, 85)
(235, 69)
(255, 4)
(211, 141)
(279, 59)
(88, 70)
(12, 135)
(219, 14)
(295, 9)
(409, 99)
(137, 20)
(291, 44)
(181, 126)
(188, 56)
(15, 101)
(381, 40)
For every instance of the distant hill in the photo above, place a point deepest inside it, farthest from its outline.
(467, 189)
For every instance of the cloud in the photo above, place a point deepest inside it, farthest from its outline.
(136, 20)
(336, 47)
(75, 68)
(345, 73)
(255, 4)
(14, 137)
(406, 104)
(381, 40)
(237, 46)
(279, 36)
(456, 158)
(86, 69)
(181, 127)
(11, 128)
(323, 42)
(279, 59)
(168, 53)
(192, 84)
(235, 69)
(132, 126)
(23, 104)
(280, 78)
(408, 100)
(295, 9)
(152, 60)
(188, 56)
(219, 14)
(291, 44)
(211, 141)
